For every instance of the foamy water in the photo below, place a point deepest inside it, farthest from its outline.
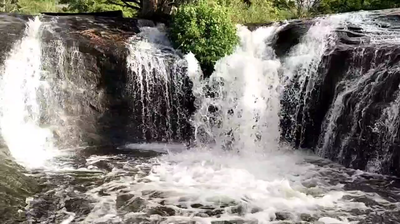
(238, 170)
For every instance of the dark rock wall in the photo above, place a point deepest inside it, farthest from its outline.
(109, 109)
(11, 30)
(89, 54)
(84, 59)
(364, 132)
(352, 113)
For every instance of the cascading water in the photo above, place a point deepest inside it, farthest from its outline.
(20, 110)
(301, 70)
(157, 81)
(238, 172)
(238, 108)
(345, 91)
(38, 104)
(84, 89)
(361, 86)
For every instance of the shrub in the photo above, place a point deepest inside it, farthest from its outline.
(206, 30)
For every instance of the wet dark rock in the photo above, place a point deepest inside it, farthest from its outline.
(352, 38)
(196, 205)
(203, 215)
(154, 194)
(255, 210)
(239, 210)
(308, 218)
(290, 35)
(215, 212)
(227, 204)
(100, 101)
(282, 216)
(103, 165)
(232, 222)
(15, 187)
(128, 203)
(12, 28)
(140, 219)
(359, 139)
(79, 206)
(102, 192)
(354, 28)
(162, 211)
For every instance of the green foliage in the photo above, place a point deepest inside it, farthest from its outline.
(8, 6)
(335, 6)
(254, 11)
(29, 6)
(38, 6)
(97, 6)
(204, 29)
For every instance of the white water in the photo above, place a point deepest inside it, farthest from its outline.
(238, 162)
(256, 172)
(300, 67)
(356, 80)
(20, 112)
(237, 167)
(245, 86)
(152, 75)
(376, 30)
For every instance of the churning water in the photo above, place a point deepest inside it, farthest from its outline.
(236, 171)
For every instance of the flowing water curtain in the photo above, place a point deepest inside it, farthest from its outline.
(21, 106)
(238, 105)
(343, 89)
(301, 70)
(65, 74)
(369, 90)
(157, 84)
(371, 96)
(43, 102)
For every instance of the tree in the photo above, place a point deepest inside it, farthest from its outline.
(204, 29)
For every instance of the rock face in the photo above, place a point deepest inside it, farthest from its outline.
(91, 96)
(104, 81)
(347, 108)
(86, 60)
(11, 30)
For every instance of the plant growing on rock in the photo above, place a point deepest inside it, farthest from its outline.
(206, 30)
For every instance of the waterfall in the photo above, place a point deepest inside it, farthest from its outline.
(157, 82)
(237, 164)
(56, 98)
(20, 111)
(238, 105)
(138, 101)
(340, 98)
(362, 83)
(301, 72)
